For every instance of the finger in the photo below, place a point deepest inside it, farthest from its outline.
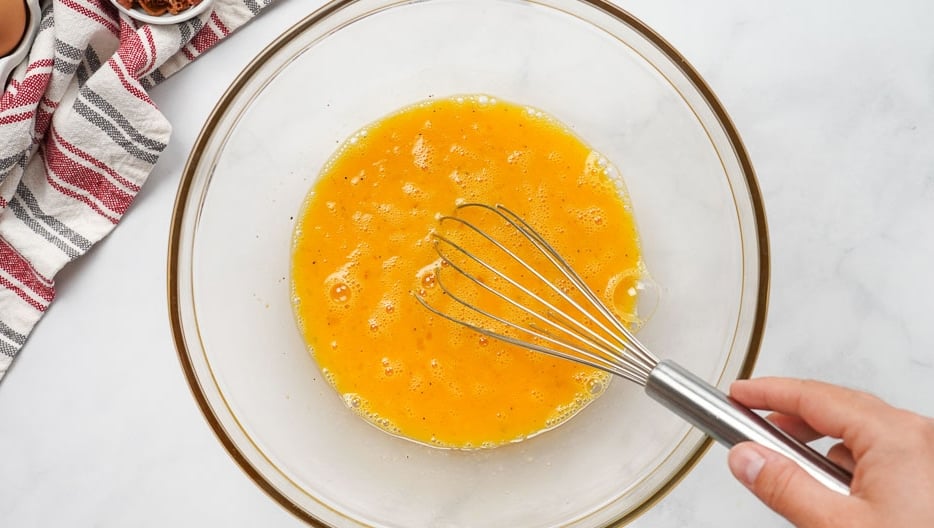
(794, 426)
(842, 456)
(856, 417)
(785, 487)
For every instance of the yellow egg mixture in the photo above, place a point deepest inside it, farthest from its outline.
(362, 250)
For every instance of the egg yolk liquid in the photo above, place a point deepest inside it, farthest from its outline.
(362, 250)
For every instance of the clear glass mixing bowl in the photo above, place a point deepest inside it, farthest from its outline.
(597, 69)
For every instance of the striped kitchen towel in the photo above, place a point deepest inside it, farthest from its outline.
(78, 137)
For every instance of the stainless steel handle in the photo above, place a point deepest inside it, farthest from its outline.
(730, 423)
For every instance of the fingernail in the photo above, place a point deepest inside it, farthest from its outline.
(748, 465)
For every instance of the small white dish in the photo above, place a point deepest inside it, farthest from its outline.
(8, 62)
(165, 19)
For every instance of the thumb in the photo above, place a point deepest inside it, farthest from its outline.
(784, 487)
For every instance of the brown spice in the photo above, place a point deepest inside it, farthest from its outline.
(160, 7)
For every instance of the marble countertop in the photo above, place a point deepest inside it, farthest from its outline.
(835, 102)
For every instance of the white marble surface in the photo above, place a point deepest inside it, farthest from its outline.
(835, 102)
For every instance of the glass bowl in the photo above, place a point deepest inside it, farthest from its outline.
(594, 67)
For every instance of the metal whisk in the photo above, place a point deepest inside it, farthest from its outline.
(573, 323)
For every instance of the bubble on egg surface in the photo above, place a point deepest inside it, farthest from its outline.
(362, 220)
(343, 285)
(622, 294)
(354, 401)
(389, 263)
(340, 292)
(590, 220)
(426, 277)
(422, 153)
(411, 190)
(329, 377)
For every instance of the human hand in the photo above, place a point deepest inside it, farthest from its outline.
(890, 452)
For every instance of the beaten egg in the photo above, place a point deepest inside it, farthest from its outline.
(362, 249)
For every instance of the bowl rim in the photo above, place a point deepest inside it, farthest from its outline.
(198, 150)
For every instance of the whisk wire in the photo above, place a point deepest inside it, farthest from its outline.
(622, 336)
(604, 346)
(614, 350)
(577, 326)
(543, 247)
(594, 360)
(629, 342)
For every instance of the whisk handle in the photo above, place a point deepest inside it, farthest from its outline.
(730, 423)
